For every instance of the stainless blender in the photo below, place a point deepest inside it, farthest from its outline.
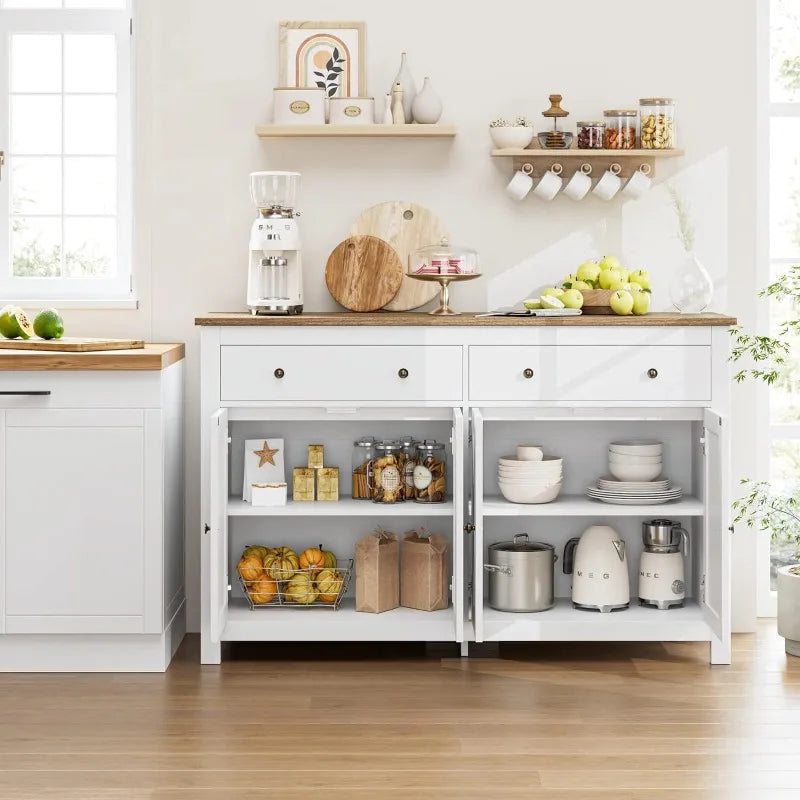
(661, 573)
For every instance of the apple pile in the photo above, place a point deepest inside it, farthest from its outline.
(631, 288)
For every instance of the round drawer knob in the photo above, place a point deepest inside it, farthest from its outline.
(652, 373)
(403, 373)
(279, 373)
(528, 373)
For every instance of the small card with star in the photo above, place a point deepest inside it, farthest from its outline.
(263, 464)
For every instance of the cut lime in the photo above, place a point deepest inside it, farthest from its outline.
(48, 324)
(15, 324)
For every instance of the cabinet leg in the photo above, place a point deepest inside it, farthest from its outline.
(210, 653)
(464, 649)
(720, 651)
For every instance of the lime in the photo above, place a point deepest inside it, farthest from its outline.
(48, 324)
(14, 323)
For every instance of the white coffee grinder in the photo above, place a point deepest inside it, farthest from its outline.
(661, 574)
(275, 273)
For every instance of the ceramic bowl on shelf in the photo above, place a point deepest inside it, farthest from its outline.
(530, 452)
(637, 447)
(524, 494)
(634, 472)
(510, 461)
(619, 458)
(511, 136)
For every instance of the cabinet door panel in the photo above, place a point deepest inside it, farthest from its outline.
(74, 523)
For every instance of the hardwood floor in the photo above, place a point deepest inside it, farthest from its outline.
(550, 721)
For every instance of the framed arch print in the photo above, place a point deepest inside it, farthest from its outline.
(328, 55)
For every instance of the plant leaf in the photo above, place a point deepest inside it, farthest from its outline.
(336, 53)
(319, 74)
(321, 84)
(329, 64)
(336, 69)
(332, 91)
(332, 76)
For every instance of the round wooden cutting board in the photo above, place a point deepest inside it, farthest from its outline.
(363, 273)
(406, 227)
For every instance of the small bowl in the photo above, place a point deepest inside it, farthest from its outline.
(634, 472)
(637, 447)
(524, 481)
(520, 494)
(508, 461)
(511, 136)
(529, 452)
(566, 140)
(617, 458)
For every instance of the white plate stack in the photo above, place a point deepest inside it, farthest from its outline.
(634, 493)
(532, 477)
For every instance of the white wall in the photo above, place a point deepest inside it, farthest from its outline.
(205, 70)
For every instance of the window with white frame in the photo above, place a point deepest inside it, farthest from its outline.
(784, 250)
(65, 118)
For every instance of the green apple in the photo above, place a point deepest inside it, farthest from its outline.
(617, 283)
(583, 286)
(610, 262)
(607, 277)
(588, 271)
(625, 274)
(572, 298)
(532, 303)
(569, 280)
(635, 287)
(641, 303)
(548, 301)
(553, 291)
(621, 302)
(641, 277)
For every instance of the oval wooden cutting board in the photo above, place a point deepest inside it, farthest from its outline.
(406, 227)
(363, 273)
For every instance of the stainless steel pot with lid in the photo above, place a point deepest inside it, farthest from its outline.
(521, 575)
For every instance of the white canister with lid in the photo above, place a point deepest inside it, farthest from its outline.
(352, 110)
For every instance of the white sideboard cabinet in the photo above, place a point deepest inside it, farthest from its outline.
(482, 385)
(91, 492)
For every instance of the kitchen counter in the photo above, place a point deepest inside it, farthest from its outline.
(349, 318)
(150, 357)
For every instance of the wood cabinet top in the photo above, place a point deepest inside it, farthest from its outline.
(150, 357)
(417, 319)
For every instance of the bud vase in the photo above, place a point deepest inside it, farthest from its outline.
(406, 80)
(691, 288)
(427, 107)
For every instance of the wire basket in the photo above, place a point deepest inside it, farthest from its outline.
(299, 592)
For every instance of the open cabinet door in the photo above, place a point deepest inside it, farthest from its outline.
(477, 537)
(218, 487)
(715, 588)
(458, 522)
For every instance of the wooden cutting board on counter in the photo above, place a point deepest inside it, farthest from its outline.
(406, 227)
(363, 273)
(71, 344)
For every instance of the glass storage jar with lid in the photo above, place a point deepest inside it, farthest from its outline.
(590, 135)
(386, 478)
(430, 473)
(408, 460)
(620, 132)
(657, 123)
(363, 455)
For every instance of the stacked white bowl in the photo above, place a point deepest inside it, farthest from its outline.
(531, 477)
(635, 459)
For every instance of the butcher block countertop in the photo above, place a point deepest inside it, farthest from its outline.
(150, 357)
(388, 318)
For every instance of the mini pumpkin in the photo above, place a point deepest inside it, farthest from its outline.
(281, 567)
(300, 589)
(330, 558)
(250, 568)
(312, 559)
(256, 550)
(282, 551)
(263, 591)
(329, 585)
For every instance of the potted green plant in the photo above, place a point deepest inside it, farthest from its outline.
(762, 506)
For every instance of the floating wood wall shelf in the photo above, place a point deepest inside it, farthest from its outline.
(573, 159)
(361, 131)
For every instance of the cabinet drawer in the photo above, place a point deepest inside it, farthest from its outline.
(639, 374)
(337, 373)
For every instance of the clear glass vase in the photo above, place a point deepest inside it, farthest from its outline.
(691, 288)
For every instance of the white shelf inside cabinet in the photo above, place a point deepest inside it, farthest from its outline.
(346, 507)
(576, 505)
(565, 623)
(345, 624)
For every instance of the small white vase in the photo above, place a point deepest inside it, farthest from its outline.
(387, 110)
(398, 114)
(691, 288)
(406, 80)
(789, 608)
(427, 105)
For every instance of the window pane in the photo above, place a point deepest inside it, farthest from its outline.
(36, 124)
(785, 477)
(95, 3)
(90, 125)
(31, 3)
(784, 187)
(36, 247)
(36, 186)
(784, 51)
(90, 63)
(90, 186)
(91, 247)
(36, 62)
(784, 395)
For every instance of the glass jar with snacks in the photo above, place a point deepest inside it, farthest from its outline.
(430, 473)
(620, 132)
(590, 135)
(408, 460)
(363, 456)
(386, 478)
(657, 123)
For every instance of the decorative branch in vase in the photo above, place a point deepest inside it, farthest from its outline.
(691, 289)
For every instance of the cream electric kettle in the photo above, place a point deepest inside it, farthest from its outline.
(599, 567)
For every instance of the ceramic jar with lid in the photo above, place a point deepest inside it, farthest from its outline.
(590, 135)
(430, 472)
(657, 123)
(620, 132)
(386, 477)
(363, 456)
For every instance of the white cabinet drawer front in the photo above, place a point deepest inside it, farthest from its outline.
(619, 374)
(331, 374)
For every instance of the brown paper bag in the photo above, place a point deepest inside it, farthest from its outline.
(423, 571)
(377, 572)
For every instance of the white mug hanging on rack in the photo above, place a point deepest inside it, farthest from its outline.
(638, 183)
(522, 182)
(580, 183)
(550, 183)
(609, 184)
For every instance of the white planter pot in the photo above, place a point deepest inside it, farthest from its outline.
(789, 609)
